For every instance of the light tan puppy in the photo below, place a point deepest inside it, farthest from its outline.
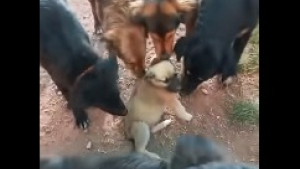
(156, 90)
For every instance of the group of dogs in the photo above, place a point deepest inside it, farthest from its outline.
(217, 32)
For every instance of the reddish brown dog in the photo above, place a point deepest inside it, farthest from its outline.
(161, 18)
(128, 39)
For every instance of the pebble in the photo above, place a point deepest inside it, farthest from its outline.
(89, 145)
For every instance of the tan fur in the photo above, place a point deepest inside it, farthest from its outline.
(163, 43)
(147, 104)
(120, 33)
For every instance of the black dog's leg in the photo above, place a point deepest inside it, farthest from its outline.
(81, 117)
(229, 68)
(240, 44)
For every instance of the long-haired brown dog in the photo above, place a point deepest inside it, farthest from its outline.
(156, 90)
(161, 18)
(123, 36)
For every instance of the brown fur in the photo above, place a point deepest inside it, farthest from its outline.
(121, 35)
(161, 19)
(147, 104)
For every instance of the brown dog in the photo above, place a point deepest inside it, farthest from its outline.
(161, 19)
(156, 90)
(126, 38)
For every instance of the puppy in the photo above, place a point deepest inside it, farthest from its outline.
(222, 31)
(125, 37)
(158, 88)
(204, 155)
(84, 79)
(161, 18)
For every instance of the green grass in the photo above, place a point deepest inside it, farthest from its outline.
(244, 112)
(249, 62)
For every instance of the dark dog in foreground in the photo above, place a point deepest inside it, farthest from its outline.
(84, 79)
(191, 152)
(222, 31)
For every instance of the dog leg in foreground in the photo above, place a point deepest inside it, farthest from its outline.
(161, 126)
(141, 136)
(180, 111)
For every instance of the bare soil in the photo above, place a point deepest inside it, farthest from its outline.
(58, 134)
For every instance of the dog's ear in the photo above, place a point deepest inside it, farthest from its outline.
(184, 5)
(180, 48)
(149, 75)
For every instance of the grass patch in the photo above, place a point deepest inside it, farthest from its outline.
(244, 112)
(249, 62)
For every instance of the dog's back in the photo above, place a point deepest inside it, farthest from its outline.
(64, 44)
(224, 19)
(130, 161)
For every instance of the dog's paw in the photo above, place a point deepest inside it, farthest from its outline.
(82, 121)
(188, 117)
(152, 155)
(228, 81)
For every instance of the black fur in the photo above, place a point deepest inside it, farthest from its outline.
(216, 45)
(84, 79)
(191, 152)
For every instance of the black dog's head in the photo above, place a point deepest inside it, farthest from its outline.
(194, 150)
(99, 87)
(200, 62)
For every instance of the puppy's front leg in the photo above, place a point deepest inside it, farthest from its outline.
(180, 111)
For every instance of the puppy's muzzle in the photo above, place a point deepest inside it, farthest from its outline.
(174, 85)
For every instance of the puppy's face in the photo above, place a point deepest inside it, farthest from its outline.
(161, 19)
(199, 63)
(195, 150)
(163, 75)
(99, 87)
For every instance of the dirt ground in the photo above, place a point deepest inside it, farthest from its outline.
(58, 134)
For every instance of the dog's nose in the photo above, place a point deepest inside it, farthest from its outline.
(125, 112)
(165, 56)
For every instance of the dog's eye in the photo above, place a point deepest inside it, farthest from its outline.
(188, 72)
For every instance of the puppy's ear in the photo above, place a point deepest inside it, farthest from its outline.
(149, 75)
(184, 5)
(180, 48)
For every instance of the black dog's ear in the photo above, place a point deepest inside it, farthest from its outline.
(180, 48)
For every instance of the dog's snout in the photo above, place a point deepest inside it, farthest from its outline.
(165, 56)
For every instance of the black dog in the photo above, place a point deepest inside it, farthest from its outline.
(222, 31)
(84, 79)
(191, 151)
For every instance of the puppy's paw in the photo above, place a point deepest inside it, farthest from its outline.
(152, 155)
(228, 81)
(82, 121)
(188, 117)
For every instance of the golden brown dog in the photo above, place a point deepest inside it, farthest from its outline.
(161, 19)
(126, 38)
(156, 90)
